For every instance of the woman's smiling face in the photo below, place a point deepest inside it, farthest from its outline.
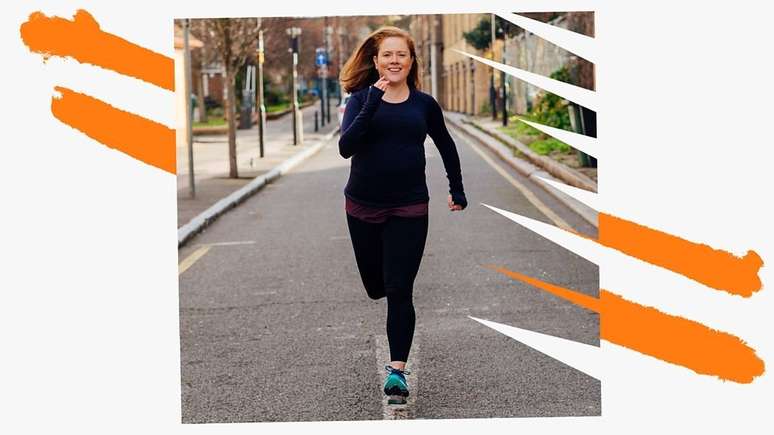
(394, 59)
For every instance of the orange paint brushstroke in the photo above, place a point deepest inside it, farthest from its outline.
(669, 338)
(82, 40)
(715, 268)
(143, 139)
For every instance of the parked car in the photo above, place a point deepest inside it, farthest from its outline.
(343, 106)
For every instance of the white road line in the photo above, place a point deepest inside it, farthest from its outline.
(397, 412)
(558, 221)
(246, 242)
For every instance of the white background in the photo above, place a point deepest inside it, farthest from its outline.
(89, 261)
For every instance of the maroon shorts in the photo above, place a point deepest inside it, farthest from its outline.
(379, 215)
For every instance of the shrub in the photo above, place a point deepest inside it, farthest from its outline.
(547, 146)
(211, 103)
(486, 108)
(522, 128)
(274, 95)
(551, 109)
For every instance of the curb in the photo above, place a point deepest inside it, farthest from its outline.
(223, 129)
(203, 219)
(558, 170)
(527, 169)
(281, 113)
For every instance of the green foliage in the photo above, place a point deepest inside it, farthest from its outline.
(277, 107)
(548, 109)
(481, 35)
(522, 128)
(562, 74)
(521, 131)
(486, 108)
(534, 139)
(274, 95)
(551, 109)
(211, 122)
(549, 145)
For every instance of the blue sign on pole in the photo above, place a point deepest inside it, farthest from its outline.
(321, 57)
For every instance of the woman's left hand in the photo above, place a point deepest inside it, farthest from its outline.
(453, 206)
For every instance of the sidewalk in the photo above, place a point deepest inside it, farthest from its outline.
(558, 168)
(529, 164)
(213, 186)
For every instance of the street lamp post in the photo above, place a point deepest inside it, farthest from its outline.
(433, 56)
(323, 91)
(322, 63)
(326, 39)
(260, 104)
(504, 96)
(188, 108)
(340, 48)
(492, 92)
(473, 86)
(298, 132)
(504, 90)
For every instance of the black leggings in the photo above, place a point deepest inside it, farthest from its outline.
(388, 256)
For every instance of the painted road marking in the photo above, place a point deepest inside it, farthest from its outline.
(203, 248)
(191, 259)
(246, 242)
(558, 221)
(397, 412)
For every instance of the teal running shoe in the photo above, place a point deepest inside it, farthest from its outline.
(395, 386)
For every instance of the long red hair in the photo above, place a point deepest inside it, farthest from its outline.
(359, 70)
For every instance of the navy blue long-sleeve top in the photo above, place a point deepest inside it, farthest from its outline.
(386, 143)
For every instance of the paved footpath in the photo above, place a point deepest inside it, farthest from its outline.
(275, 324)
(211, 159)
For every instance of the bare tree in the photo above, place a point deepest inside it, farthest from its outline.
(277, 42)
(231, 41)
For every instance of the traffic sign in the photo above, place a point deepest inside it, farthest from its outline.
(320, 57)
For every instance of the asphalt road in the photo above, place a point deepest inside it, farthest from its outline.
(275, 324)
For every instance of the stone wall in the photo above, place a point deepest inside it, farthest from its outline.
(532, 53)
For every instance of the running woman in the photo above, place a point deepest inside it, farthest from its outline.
(385, 123)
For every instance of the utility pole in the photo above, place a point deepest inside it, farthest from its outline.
(473, 85)
(492, 92)
(322, 74)
(260, 103)
(433, 67)
(343, 55)
(188, 108)
(322, 63)
(298, 131)
(339, 52)
(326, 39)
(502, 85)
